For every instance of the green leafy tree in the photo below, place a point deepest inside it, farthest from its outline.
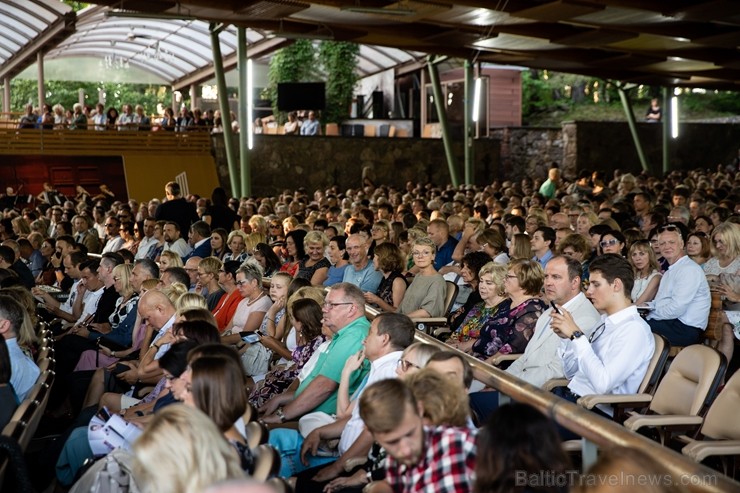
(66, 93)
(339, 61)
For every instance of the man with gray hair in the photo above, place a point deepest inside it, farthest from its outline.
(344, 316)
(24, 371)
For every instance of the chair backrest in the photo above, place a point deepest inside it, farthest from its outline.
(257, 434)
(450, 296)
(721, 422)
(370, 130)
(332, 129)
(690, 383)
(266, 464)
(656, 365)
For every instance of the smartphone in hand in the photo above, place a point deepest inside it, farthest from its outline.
(555, 308)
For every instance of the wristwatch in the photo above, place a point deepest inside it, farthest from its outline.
(280, 414)
(575, 335)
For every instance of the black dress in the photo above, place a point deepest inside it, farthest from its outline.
(385, 289)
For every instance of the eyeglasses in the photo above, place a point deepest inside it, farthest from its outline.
(511, 276)
(607, 243)
(405, 364)
(330, 306)
(421, 254)
(111, 225)
(242, 282)
(668, 227)
(597, 333)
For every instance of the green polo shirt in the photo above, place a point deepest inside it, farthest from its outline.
(344, 344)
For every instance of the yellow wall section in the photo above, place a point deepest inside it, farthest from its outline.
(147, 174)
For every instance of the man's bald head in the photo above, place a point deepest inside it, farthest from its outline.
(156, 308)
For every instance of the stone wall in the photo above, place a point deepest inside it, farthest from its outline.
(282, 161)
(510, 154)
(529, 151)
(608, 145)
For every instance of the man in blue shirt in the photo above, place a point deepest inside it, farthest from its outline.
(361, 272)
(543, 241)
(311, 126)
(439, 232)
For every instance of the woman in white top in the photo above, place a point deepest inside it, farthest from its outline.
(647, 272)
(722, 272)
(252, 308)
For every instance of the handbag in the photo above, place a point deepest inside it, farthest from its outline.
(256, 359)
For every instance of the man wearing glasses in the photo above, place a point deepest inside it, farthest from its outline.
(344, 316)
(389, 335)
(680, 309)
(615, 357)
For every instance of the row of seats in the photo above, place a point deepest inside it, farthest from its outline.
(26, 419)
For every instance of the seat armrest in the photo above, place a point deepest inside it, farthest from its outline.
(555, 382)
(591, 401)
(635, 422)
(430, 321)
(701, 449)
(499, 358)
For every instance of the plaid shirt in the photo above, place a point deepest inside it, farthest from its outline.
(447, 466)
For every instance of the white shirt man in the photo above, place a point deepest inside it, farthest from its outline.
(680, 310)
(172, 240)
(148, 241)
(615, 357)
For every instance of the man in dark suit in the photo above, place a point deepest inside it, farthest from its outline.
(200, 239)
(176, 208)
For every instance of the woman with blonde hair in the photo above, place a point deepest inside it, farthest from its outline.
(168, 456)
(208, 271)
(425, 297)
(169, 259)
(491, 288)
(188, 301)
(509, 331)
(237, 242)
(315, 266)
(647, 272)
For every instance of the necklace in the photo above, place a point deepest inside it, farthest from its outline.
(250, 302)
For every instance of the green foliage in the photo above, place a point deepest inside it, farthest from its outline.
(76, 6)
(339, 60)
(294, 63)
(66, 93)
(537, 94)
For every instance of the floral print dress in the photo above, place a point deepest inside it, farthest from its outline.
(509, 331)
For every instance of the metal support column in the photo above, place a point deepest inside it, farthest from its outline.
(468, 128)
(633, 126)
(223, 103)
(41, 87)
(173, 102)
(440, 104)
(665, 119)
(244, 116)
(6, 96)
(193, 96)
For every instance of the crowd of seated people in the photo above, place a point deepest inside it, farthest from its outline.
(174, 313)
(129, 118)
